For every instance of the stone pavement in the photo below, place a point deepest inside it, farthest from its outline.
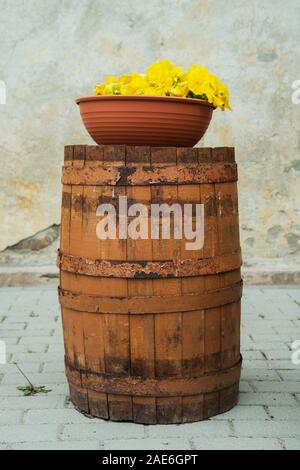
(268, 416)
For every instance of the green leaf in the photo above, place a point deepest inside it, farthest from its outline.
(29, 391)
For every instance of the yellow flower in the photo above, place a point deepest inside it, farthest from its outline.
(162, 74)
(138, 83)
(125, 85)
(221, 93)
(153, 91)
(99, 89)
(125, 79)
(127, 90)
(224, 96)
(111, 79)
(181, 89)
(111, 89)
(201, 83)
(197, 76)
(216, 101)
(163, 78)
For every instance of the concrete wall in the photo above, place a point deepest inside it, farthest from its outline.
(54, 51)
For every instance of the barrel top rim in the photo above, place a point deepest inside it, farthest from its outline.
(120, 146)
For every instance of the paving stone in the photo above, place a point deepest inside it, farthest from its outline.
(101, 430)
(251, 355)
(285, 413)
(260, 374)
(27, 317)
(57, 348)
(37, 323)
(245, 387)
(56, 416)
(10, 417)
(10, 368)
(26, 349)
(278, 429)
(290, 375)
(13, 326)
(5, 446)
(46, 401)
(264, 364)
(28, 433)
(290, 330)
(237, 443)
(203, 428)
(38, 379)
(57, 366)
(147, 444)
(247, 413)
(47, 340)
(36, 357)
(31, 333)
(277, 387)
(291, 444)
(10, 341)
(12, 391)
(267, 399)
(270, 347)
(278, 354)
(270, 338)
(57, 445)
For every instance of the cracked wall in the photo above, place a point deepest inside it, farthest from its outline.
(53, 52)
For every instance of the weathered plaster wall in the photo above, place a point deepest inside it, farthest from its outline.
(53, 51)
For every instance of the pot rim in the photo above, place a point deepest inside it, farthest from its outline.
(175, 99)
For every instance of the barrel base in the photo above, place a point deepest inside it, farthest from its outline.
(149, 410)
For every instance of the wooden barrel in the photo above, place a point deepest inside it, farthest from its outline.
(151, 329)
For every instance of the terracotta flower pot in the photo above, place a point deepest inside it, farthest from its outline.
(161, 121)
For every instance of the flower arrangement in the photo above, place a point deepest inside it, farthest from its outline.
(165, 79)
